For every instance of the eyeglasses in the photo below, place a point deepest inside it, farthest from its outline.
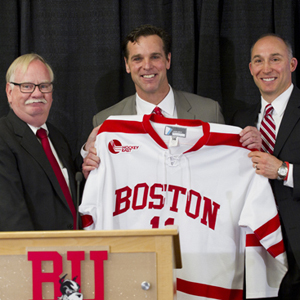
(28, 87)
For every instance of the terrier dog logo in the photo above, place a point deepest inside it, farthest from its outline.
(69, 289)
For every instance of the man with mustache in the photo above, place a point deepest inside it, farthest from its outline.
(36, 172)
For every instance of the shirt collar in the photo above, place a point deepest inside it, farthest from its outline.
(35, 129)
(280, 103)
(167, 105)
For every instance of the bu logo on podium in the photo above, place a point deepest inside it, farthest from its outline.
(65, 289)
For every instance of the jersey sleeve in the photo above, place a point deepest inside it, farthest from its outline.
(265, 257)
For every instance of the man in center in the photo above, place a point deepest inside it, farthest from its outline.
(147, 55)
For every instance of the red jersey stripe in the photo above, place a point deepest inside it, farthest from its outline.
(277, 249)
(268, 227)
(252, 241)
(208, 291)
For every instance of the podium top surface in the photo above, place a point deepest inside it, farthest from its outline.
(168, 231)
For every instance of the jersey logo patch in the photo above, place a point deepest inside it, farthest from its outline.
(115, 147)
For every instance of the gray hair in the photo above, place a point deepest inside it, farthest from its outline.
(22, 62)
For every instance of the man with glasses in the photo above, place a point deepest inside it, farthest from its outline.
(37, 181)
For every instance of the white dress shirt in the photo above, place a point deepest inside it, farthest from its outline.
(167, 106)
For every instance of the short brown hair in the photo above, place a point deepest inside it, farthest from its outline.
(146, 30)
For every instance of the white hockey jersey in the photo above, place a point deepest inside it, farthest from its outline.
(156, 171)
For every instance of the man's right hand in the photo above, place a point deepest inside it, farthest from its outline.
(91, 161)
(251, 138)
(91, 139)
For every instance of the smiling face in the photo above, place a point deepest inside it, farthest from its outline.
(33, 108)
(271, 67)
(148, 65)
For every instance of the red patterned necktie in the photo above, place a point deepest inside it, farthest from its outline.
(42, 135)
(157, 111)
(267, 130)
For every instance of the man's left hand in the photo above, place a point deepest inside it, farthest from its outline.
(265, 164)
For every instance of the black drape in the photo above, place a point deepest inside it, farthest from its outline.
(81, 41)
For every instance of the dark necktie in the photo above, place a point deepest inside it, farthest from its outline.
(267, 130)
(157, 111)
(42, 135)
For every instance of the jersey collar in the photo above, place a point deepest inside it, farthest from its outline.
(147, 119)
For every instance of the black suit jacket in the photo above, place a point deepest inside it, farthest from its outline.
(30, 195)
(287, 148)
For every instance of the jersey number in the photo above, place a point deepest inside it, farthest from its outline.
(155, 222)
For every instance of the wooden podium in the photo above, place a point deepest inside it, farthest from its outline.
(116, 264)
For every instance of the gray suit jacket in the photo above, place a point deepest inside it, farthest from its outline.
(31, 197)
(188, 106)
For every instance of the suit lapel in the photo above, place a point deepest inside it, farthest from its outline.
(183, 107)
(252, 115)
(31, 144)
(130, 106)
(289, 120)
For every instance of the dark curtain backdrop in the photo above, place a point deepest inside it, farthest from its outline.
(81, 41)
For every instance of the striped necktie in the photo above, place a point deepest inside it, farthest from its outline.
(267, 130)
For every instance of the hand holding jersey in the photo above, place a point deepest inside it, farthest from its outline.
(250, 138)
(266, 164)
(91, 160)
